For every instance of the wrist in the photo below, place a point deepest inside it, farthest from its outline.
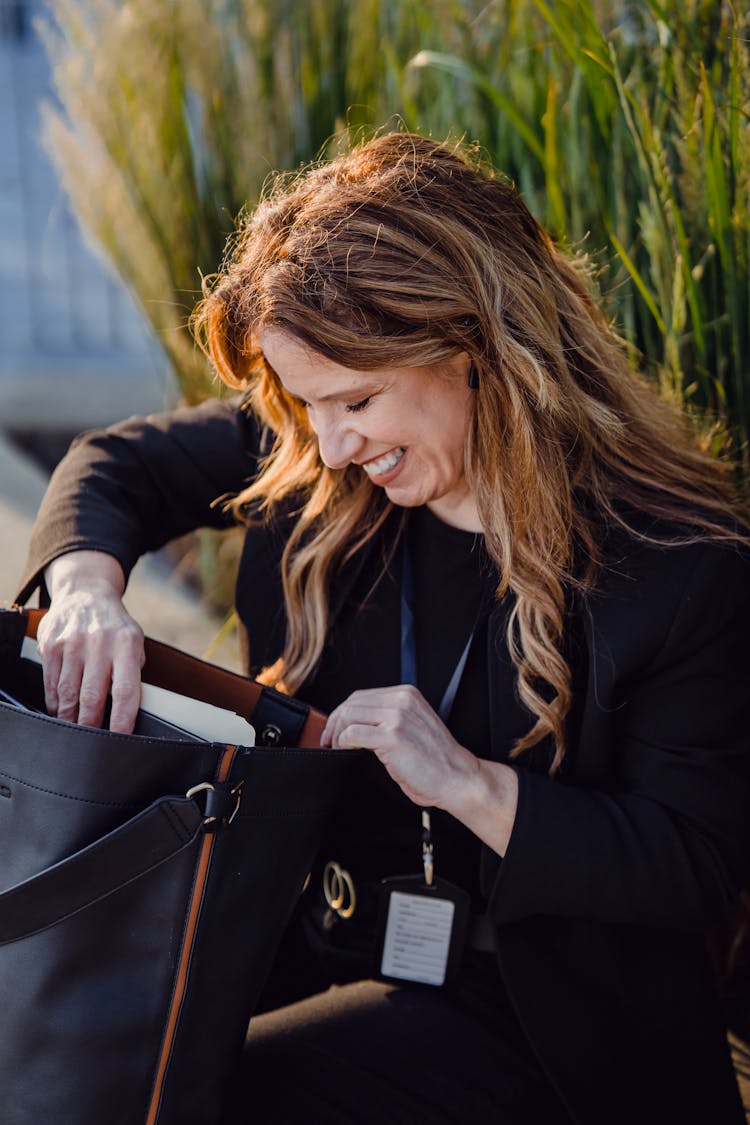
(486, 802)
(85, 571)
(466, 788)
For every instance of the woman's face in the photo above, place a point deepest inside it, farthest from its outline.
(405, 426)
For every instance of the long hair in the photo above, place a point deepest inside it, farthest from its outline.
(406, 252)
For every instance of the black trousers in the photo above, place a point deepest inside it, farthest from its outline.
(373, 1053)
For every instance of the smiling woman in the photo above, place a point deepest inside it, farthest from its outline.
(405, 426)
(503, 567)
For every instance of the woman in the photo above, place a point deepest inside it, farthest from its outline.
(496, 559)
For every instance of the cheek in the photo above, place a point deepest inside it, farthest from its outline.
(455, 430)
(444, 457)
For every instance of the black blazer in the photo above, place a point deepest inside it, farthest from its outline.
(617, 867)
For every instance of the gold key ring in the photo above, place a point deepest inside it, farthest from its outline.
(337, 887)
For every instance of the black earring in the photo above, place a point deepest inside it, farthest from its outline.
(473, 376)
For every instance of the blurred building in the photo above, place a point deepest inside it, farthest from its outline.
(75, 350)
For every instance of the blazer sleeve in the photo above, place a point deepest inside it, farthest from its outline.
(670, 845)
(133, 487)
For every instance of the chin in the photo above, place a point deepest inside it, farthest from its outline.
(404, 499)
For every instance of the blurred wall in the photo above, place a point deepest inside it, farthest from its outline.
(75, 350)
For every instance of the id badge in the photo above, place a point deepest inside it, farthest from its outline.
(421, 930)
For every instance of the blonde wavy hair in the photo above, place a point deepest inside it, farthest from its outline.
(406, 252)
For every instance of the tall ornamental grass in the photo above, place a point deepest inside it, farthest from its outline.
(628, 128)
(172, 113)
(625, 125)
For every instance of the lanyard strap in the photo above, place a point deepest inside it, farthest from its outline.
(409, 676)
(409, 640)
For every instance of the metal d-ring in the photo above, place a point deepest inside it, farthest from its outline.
(209, 787)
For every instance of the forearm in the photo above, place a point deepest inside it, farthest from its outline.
(130, 489)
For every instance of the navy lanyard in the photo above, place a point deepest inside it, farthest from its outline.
(409, 676)
(409, 640)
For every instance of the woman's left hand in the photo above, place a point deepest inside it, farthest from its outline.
(411, 741)
(423, 757)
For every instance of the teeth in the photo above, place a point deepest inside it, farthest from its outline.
(383, 464)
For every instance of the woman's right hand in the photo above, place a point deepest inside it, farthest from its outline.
(89, 643)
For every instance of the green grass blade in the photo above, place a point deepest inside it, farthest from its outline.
(456, 67)
(639, 282)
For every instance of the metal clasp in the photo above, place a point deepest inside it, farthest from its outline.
(428, 860)
(212, 821)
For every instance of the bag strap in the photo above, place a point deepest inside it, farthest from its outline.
(144, 842)
(279, 720)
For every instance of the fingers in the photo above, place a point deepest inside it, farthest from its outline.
(360, 736)
(90, 649)
(61, 671)
(69, 685)
(92, 693)
(126, 686)
(393, 711)
(409, 739)
(382, 719)
(51, 668)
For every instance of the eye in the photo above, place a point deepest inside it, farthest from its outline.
(355, 407)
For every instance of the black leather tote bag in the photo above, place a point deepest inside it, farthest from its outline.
(144, 885)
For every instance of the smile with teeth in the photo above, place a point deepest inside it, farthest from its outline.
(380, 465)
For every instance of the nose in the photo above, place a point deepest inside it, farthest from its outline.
(338, 440)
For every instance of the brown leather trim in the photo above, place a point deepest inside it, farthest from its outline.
(34, 617)
(196, 901)
(169, 668)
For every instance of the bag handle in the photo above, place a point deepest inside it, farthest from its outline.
(150, 838)
(279, 720)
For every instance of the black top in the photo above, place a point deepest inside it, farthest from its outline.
(454, 580)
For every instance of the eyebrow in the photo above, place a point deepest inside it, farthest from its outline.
(337, 396)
